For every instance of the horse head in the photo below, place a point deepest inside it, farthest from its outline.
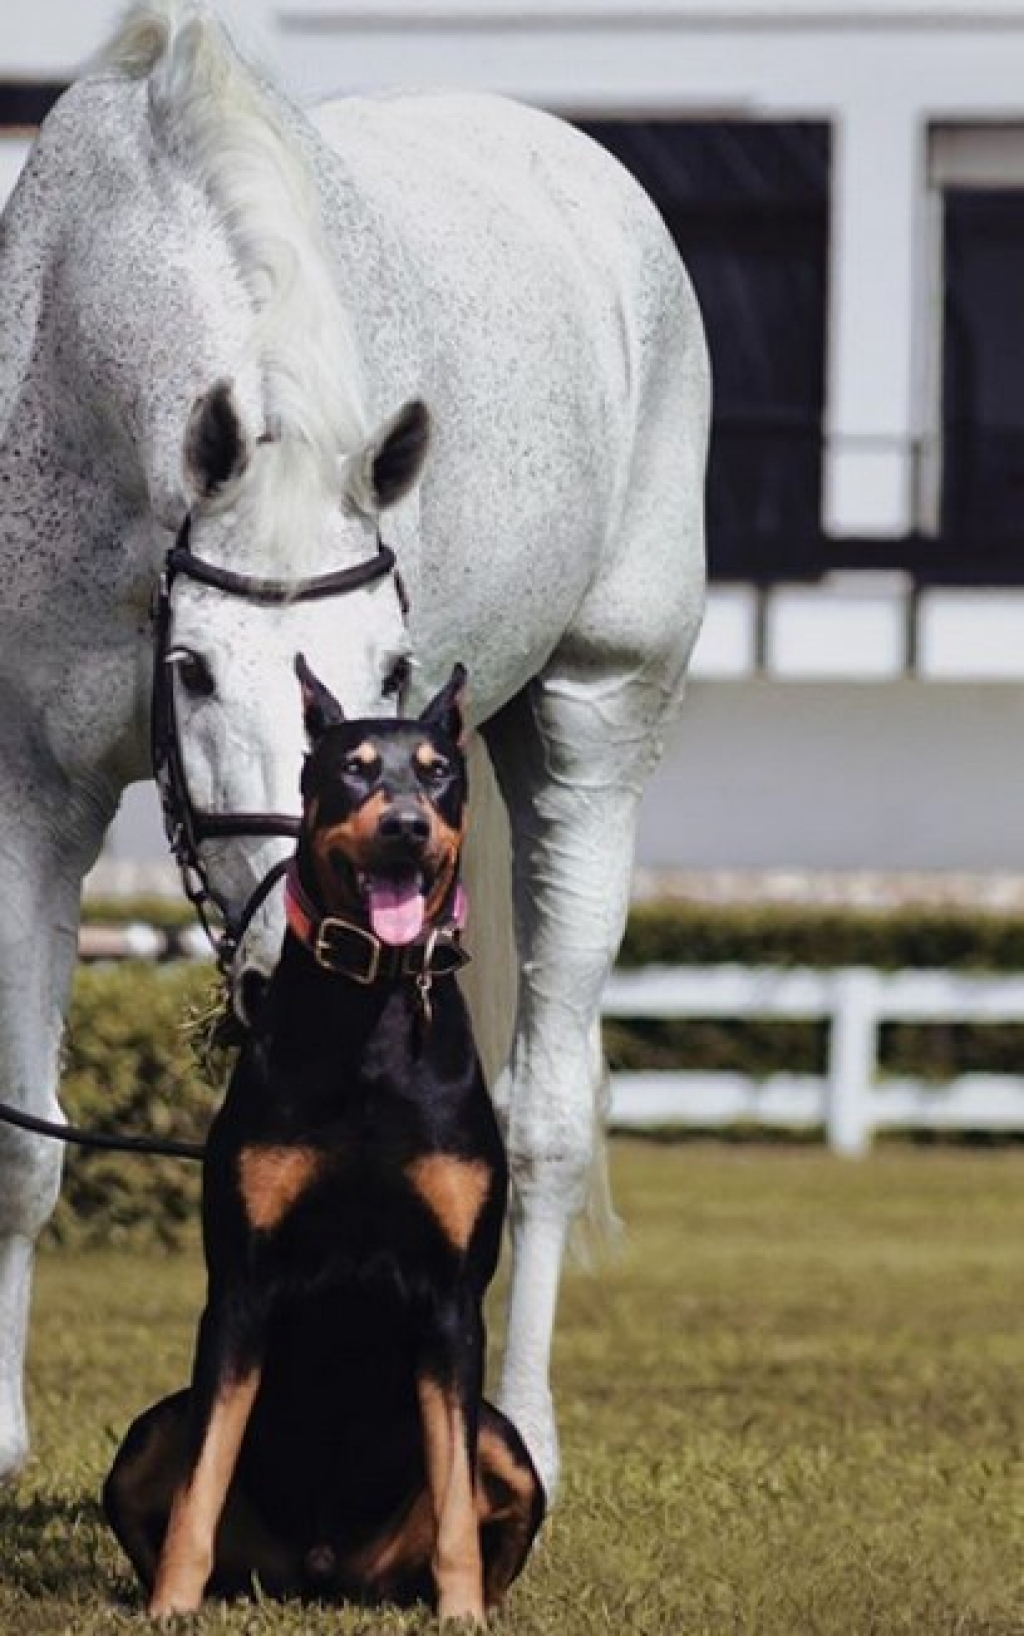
(280, 554)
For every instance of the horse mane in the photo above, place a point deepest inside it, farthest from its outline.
(210, 111)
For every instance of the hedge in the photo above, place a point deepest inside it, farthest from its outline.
(912, 935)
(685, 932)
(129, 1063)
(152, 909)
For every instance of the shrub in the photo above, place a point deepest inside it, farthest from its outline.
(129, 1066)
(698, 934)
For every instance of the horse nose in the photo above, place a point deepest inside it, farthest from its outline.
(404, 823)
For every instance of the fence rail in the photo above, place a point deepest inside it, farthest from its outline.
(134, 940)
(849, 1100)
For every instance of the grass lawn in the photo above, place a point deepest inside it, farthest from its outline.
(794, 1404)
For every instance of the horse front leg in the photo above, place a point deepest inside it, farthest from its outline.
(571, 770)
(40, 886)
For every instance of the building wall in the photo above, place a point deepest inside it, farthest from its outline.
(900, 775)
(883, 72)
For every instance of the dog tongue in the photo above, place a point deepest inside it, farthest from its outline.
(396, 910)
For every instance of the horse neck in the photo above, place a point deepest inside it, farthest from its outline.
(107, 335)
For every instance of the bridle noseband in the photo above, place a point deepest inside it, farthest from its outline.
(187, 825)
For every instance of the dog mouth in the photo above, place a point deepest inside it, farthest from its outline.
(395, 906)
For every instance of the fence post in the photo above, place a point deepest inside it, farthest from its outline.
(852, 1059)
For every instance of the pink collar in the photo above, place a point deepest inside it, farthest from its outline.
(354, 951)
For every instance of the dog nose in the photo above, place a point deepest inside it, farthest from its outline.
(404, 823)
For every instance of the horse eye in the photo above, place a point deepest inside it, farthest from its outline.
(196, 675)
(397, 678)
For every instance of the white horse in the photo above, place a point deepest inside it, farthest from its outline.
(215, 306)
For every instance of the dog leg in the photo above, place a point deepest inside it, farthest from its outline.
(186, 1560)
(510, 1503)
(147, 1471)
(223, 1392)
(457, 1562)
(449, 1385)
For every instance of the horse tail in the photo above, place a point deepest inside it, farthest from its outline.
(491, 983)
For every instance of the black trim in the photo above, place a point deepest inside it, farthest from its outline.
(925, 559)
(24, 104)
(284, 591)
(747, 202)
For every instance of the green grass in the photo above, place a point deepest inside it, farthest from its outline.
(794, 1405)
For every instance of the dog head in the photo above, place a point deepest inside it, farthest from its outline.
(383, 810)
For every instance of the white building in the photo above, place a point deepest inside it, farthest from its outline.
(847, 185)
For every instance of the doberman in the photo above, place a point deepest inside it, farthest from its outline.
(334, 1442)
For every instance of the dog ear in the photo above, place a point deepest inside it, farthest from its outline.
(445, 709)
(320, 708)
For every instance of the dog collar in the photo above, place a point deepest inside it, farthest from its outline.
(352, 951)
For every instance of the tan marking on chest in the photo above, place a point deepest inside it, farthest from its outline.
(453, 1190)
(273, 1179)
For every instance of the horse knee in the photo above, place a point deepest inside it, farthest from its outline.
(552, 1105)
(31, 1168)
(550, 1151)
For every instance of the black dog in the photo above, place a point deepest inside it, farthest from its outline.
(334, 1441)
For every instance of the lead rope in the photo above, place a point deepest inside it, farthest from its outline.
(75, 1136)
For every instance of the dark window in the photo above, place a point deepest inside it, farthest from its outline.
(26, 104)
(983, 373)
(748, 205)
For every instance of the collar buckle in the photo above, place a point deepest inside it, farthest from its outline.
(331, 957)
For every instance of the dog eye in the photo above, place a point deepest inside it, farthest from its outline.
(196, 675)
(397, 678)
(359, 767)
(436, 770)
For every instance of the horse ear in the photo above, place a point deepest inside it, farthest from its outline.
(321, 709)
(216, 448)
(391, 461)
(445, 709)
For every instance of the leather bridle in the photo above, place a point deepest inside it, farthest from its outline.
(186, 824)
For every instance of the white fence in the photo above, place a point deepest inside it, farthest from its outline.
(850, 1099)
